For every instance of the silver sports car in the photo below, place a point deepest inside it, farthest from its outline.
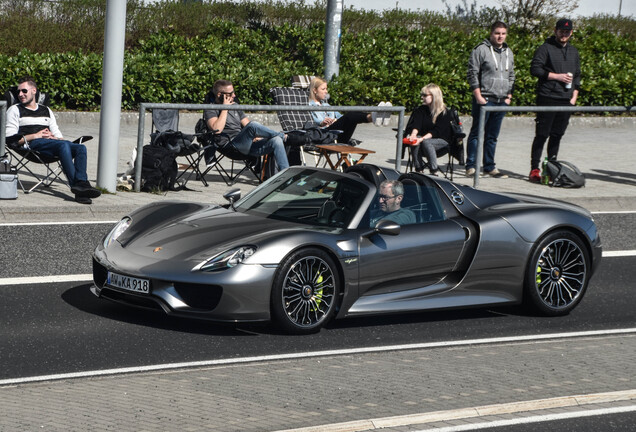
(312, 244)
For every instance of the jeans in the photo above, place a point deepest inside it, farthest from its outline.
(271, 142)
(549, 125)
(72, 156)
(431, 147)
(492, 128)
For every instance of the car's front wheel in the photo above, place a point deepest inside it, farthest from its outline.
(558, 273)
(305, 291)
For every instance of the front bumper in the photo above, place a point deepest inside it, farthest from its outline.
(241, 293)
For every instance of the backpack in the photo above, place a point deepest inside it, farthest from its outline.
(158, 169)
(456, 147)
(564, 174)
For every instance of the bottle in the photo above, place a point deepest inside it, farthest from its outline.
(545, 178)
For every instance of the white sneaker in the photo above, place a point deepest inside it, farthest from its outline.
(386, 118)
(379, 116)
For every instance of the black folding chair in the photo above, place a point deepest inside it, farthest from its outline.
(165, 123)
(25, 158)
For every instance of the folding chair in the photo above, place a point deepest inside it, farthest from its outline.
(454, 150)
(24, 156)
(295, 120)
(223, 148)
(165, 124)
(51, 164)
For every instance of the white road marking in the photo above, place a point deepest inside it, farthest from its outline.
(614, 254)
(534, 419)
(57, 223)
(313, 354)
(89, 277)
(488, 410)
(46, 279)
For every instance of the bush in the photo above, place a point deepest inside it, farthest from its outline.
(174, 57)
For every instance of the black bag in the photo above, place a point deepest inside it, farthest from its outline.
(457, 146)
(174, 141)
(564, 174)
(158, 169)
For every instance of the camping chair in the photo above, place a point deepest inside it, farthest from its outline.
(296, 120)
(26, 158)
(165, 126)
(455, 149)
(223, 148)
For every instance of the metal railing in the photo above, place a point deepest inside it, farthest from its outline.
(251, 108)
(484, 109)
(3, 126)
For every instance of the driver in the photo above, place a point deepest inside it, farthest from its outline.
(390, 199)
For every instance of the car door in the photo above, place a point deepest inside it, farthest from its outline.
(422, 254)
(418, 257)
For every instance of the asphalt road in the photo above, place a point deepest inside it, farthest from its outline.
(53, 328)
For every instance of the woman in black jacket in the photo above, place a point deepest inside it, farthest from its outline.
(429, 127)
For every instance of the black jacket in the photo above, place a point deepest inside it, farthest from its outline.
(552, 57)
(422, 120)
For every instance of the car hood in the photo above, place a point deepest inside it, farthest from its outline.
(203, 233)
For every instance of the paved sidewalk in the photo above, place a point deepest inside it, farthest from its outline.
(603, 148)
(399, 390)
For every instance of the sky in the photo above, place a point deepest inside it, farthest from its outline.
(586, 7)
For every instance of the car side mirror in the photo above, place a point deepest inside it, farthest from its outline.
(233, 195)
(386, 227)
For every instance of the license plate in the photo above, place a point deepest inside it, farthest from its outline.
(128, 283)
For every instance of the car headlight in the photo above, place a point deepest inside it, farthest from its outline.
(226, 259)
(117, 230)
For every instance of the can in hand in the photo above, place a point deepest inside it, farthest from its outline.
(569, 85)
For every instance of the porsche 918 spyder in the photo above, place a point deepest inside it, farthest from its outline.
(308, 245)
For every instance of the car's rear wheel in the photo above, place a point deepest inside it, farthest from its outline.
(558, 273)
(305, 291)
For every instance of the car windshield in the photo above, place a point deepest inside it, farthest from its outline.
(307, 196)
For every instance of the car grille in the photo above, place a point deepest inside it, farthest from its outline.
(99, 274)
(198, 296)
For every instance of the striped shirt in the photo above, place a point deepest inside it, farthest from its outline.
(24, 121)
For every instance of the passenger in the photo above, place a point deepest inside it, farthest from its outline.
(248, 137)
(390, 199)
(333, 120)
(430, 127)
(33, 126)
(491, 76)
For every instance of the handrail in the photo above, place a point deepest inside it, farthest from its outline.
(484, 109)
(149, 106)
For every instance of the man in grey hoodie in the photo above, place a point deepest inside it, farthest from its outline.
(491, 77)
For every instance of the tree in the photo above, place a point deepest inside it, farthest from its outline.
(535, 15)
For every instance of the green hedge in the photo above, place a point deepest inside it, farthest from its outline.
(384, 63)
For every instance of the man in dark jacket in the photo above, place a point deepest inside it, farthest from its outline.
(557, 65)
(491, 76)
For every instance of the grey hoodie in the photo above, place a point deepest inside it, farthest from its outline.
(491, 70)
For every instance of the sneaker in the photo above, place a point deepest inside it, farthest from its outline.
(386, 118)
(83, 200)
(434, 173)
(470, 172)
(379, 117)
(535, 176)
(354, 142)
(496, 174)
(84, 189)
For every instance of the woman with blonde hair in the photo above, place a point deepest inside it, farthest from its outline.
(430, 128)
(333, 120)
